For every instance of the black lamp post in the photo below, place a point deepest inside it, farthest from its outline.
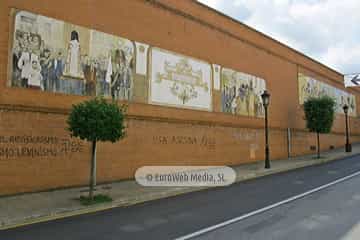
(347, 145)
(266, 100)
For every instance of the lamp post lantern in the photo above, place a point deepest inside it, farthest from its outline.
(347, 145)
(265, 101)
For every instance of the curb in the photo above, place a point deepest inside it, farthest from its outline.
(141, 199)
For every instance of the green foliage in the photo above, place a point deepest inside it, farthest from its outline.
(319, 114)
(97, 120)
(99, 198)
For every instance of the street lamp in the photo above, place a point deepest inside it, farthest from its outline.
(265, 101)
(347, 145)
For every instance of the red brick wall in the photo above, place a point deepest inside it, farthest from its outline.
(200, 137)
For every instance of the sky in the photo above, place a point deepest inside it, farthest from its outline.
(326, 30)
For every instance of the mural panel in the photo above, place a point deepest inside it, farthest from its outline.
(56, 56)
(241, 93)
(180, 81)
(310, 87)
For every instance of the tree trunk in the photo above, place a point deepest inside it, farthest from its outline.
(92, 171)
(318, 145)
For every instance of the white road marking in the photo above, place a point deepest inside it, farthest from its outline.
(261, 210)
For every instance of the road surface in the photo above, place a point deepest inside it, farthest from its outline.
(332, 213)
(335, 209)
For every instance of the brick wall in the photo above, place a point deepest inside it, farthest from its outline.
(156, 135)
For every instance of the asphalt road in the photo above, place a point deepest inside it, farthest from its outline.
(177, 216)
(332, 214)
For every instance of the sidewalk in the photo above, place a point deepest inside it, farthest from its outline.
(37, 207)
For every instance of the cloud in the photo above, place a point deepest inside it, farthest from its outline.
(326, 30)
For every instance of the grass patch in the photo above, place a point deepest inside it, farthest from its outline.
(99, 198)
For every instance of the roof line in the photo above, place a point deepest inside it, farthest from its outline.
(265, 35)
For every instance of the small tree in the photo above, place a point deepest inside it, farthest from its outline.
(319, 116)
(96, 120)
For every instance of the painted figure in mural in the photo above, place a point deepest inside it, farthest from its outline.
(259, 110)
(307, 91)
(45, 62)
(51, 70)
(121, 79)
(25, 64)
(351, 104)
(73, 60)
(42, 46)
(35, 78)
(233, 102)
(21, 39)
(117, 80)
(103, 76)
(35, 44)
(56, 71)
(16, 74)
(228, 99)
(90, 71)
(342, 102)
(27, 51)
(251, 100)
(242, 100)
(128, 79)
(223, 98)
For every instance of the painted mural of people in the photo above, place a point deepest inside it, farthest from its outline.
(241, 94)
(73, 60)
(61, 63)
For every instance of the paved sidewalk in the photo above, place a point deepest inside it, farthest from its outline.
(37, 207)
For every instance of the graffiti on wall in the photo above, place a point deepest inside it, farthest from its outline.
(310, 87)
(241, 93)
(33, 146)
(179, 81)
(201, 141)
(56, 56)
